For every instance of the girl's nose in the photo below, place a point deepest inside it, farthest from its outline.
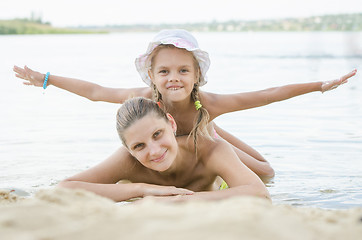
(174, 77)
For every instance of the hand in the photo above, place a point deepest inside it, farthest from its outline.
(329, 85)
(166, 199)
(31, 77)
(156, 190)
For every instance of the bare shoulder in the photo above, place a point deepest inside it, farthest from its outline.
(211, 102)
(208, 98)
(209, 149)
(218, 104)
(120, 165)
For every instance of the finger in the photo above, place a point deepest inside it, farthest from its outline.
(27, 83)
(20, 76)
(345, 81)
(18, 70)
(28, 72)
(185, 191)
(15, 68)
(348, 75)
(28, 69)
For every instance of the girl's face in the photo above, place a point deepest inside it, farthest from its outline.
(152, 142)
(174, 73)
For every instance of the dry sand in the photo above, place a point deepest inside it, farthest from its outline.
(77, 214)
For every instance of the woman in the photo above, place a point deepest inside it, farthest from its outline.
(160, 164)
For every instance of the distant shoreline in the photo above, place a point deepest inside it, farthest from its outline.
(340, 22)
(26, 26)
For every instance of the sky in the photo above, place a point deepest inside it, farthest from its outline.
(64, 13)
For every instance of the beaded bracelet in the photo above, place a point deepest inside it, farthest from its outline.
(46, 80)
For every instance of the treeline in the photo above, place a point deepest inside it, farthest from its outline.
(340, 22)
(30, 26)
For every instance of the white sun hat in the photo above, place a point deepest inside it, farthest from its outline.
(181, 39)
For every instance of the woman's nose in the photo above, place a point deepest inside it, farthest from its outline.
(154, 149)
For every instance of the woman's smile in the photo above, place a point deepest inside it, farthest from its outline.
(159, 159)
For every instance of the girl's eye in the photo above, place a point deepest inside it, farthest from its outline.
(184, 70)
(163, 71)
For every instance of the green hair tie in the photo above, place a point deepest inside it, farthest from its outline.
(198, 105)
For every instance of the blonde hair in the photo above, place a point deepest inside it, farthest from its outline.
(134, 109)
(202, 118)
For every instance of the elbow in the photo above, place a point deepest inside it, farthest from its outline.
(264, 194)
(266, 171)
(93, 98)
(96, 93)
(261, 192)
(269, 173)
(256, 189)
(66, 184)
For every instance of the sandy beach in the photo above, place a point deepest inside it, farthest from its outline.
(76, 214)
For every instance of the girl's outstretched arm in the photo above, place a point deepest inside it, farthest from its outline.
(82, 88)
(103, 179)
(218, 104)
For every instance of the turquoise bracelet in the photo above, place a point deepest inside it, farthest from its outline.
(46, 80)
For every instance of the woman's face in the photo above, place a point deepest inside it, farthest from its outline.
(173, 73)
(152, 142)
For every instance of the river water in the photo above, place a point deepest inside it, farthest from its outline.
(314, 142)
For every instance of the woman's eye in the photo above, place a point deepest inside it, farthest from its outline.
(138, 146)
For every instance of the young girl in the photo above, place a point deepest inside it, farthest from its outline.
(174, 67)
(157, 163)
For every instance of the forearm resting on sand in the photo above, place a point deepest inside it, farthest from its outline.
(245, 190)
(125, 191)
